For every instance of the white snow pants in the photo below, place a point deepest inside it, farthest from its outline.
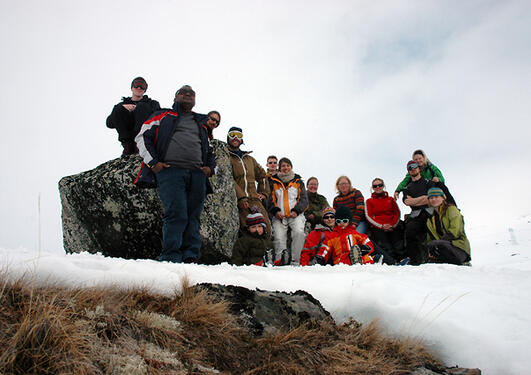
(280, 236)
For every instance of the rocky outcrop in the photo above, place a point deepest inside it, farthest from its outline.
(102, 211)
(264, 312)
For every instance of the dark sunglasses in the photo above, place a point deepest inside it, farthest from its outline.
(412, 166)
(339, 221)
(377, 186)
(139, 86)
(186, 91)
(213, 119)
(272, 162)
(326, 217)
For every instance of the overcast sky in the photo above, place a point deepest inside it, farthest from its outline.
(343, 87)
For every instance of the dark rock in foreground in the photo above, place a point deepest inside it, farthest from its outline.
(264, 312)
(102, 211)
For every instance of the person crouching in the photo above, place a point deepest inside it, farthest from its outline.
(349, 247)
(252, 245)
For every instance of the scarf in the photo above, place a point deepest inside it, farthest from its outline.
(286, 177)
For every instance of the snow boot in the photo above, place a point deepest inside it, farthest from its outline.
(268, 257)
(285, 257)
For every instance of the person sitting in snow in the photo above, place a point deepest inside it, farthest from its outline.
(349, 246)
(446, 231)
(319, 236)
(252, 245)
(128, 116)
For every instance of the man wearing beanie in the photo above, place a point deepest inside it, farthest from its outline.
(128, 116)
(416, 197)
(178, 160)
(250, 183)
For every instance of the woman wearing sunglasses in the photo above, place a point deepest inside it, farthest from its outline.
(383, 215)
(319, 236)
(348, 246)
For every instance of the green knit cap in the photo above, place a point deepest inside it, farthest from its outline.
(436, 192)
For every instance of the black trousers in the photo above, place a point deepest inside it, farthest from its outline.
(415, 233)
(442, 251)
(391, 242)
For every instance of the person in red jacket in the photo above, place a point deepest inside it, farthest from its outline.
(349, 246)
(318, 237)
(383, 215)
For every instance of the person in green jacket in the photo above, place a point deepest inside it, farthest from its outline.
(447, 241)
(427, 170)
(251, 247)
(316, 204)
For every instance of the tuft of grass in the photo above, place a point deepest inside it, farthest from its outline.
(52, 329)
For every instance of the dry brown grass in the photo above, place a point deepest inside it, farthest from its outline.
(49, 329)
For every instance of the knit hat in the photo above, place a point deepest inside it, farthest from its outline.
(255, 218)
(328, 211)
(436, 192)
(411, 165)
(139, 81)
(343, 212)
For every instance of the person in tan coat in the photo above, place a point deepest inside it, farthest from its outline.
(250, 181)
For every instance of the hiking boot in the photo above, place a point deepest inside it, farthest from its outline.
(268, 257)
(285, 257)
(403, 262)
(378, 259)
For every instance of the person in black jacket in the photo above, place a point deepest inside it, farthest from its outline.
(128, 116)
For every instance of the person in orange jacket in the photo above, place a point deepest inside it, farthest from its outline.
(349, 247)
(319, 236)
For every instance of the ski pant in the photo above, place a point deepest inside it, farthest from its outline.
(280, 234)
(442, 251)
(415, 233)
(391, 241)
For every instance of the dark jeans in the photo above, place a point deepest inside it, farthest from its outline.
(442, 251)
(392, 242)
(182, 192)
(415, 233)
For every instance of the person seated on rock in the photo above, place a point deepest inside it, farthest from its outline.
(386, 229)
(288, 201)
(447, 241)
(353, 199)
(319, 236)
(250, 180)
(213, 121)
(251, 247)
(429, 171)
(316, 203)
(128, 116)
(348, 246)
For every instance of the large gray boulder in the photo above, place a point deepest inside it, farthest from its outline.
(102, 211)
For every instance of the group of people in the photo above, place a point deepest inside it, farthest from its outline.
(282, 220)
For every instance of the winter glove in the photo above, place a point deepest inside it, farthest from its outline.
(319, 259)
(365, 249)
(448, 237)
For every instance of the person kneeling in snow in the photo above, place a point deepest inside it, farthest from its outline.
(349, 247)
(319, 236)
(446, 231)
(252, 245)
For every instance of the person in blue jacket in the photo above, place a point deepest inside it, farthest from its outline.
(178, 159)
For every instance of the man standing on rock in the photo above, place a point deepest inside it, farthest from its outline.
(175, 148)
(128, 116)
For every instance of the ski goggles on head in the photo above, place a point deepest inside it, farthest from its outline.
(235, 134)
(345, 221)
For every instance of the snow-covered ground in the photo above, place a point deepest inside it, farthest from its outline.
(475, 316)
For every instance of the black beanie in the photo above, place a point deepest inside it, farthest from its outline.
(343, 212)
(139, 80)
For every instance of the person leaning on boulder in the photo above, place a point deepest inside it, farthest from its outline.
(175, 147)
(128, 116)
